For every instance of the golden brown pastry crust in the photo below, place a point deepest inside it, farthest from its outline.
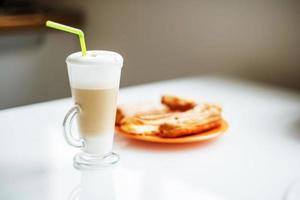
(177, 103)
(171, 130)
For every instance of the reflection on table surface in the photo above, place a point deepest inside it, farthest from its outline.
(118, 184)
(95, 184)
(110, 183)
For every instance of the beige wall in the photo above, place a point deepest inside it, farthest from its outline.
(162, 39)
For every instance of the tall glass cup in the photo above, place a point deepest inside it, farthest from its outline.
(94, 80)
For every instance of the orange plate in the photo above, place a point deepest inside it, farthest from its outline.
(207, 135)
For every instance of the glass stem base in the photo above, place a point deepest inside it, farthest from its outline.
(85, 161)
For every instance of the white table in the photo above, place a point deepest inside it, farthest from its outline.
(258, 157)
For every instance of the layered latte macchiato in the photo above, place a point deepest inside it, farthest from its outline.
(94, 80)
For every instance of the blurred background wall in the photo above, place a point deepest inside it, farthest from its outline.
(163, 39)
(32, 67)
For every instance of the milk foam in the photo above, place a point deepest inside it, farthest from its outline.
(95, 70)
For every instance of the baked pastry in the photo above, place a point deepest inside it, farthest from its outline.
(191, 122)
(172, 122)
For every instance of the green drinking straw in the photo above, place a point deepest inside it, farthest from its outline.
(69, 29)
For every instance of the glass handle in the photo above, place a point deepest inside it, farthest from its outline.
(67, 128)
